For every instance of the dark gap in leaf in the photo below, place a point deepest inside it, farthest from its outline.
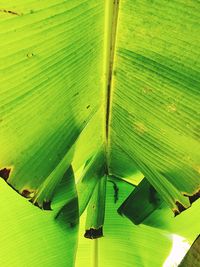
(176, 212)
(46, 205)
(94, 233)
(194, 197)
(5, 173)
(88, 106)
(180, 208)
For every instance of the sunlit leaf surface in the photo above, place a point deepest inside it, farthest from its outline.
(99, 112)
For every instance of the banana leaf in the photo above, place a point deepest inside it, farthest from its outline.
(98, 90)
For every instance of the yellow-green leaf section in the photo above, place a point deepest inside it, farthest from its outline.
(51, 80)
(154, 118)
(119, 79)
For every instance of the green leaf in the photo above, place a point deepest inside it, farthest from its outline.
(31, 236)
(68, 214)
(143, 130)
(186, 224)
(123, 244)
(96, 211)
(141, 202)
(92, 174)
(46, 97)
(154, 120)
(96, 89)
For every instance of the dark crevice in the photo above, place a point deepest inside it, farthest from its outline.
(180, 209)
(46, 205)
(116, 191)
(110, 61)
(193, 197)
(94, 233)
(109, 70)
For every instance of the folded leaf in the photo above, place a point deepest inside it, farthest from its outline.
(96, 211)
(141, 202)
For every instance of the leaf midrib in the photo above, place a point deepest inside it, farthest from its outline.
(111, 22)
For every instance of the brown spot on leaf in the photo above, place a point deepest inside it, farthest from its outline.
(94, 233)
(10, 12)
(5, 173)
(27, 193)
